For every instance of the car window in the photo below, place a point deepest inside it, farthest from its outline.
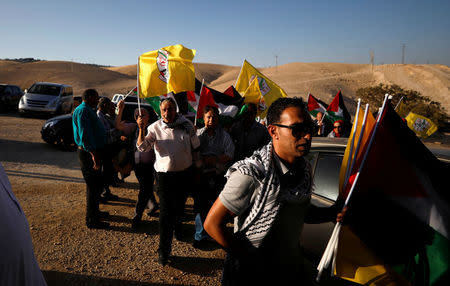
(131, 99)
(16, 90)
(326, 174)
(45, 89)
(8, 91)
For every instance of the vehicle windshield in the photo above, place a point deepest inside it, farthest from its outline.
(45, 89)
(2, 88)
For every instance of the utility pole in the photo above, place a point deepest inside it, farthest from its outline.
(403, 53)
(372, 56)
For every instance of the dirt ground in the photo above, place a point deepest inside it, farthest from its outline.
(49, 186)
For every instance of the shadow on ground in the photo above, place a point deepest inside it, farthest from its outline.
(197, 265)
(43, 176)
(56, 278)
(37, 153)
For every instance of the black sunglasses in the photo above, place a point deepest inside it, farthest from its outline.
(298, 129)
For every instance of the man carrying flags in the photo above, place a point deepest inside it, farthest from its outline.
(174, 140)
(173, 137)
(317, 109)
(268, 195)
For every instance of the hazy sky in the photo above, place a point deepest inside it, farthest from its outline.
(117, 32)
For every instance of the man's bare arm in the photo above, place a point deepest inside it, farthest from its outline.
(215, 226)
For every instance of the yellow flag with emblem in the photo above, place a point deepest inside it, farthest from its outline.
(252, 94)
(421, 125)
(166, 70)
(269, 90)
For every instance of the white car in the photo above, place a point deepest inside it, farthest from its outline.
(47, 97)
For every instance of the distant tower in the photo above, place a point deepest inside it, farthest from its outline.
(403, 53)
(276, 60)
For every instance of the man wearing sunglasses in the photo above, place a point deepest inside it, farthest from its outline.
(338, 130)
(268, 195)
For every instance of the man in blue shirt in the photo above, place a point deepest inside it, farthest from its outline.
(89, 135)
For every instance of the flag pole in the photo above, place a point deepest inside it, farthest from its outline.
(130, 92)
(401, 99)
(352, 142)
(199, 98)
(368, 147)
(331, 246)
(137, 85)
(358, 145)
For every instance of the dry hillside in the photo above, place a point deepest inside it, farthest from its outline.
(298, 79)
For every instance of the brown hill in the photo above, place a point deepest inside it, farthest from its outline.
(80, 76)
(298, 79)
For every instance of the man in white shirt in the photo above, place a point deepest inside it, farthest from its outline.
(174, 140)
(18, 265)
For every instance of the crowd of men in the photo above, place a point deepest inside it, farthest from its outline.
(254, 174)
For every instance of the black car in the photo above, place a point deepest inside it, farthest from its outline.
(58, 130)
(9, 97)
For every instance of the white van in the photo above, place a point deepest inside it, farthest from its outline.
(46, 97)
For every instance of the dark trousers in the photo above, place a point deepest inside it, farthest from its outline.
(144, 174)
(94, 185)
(208, 187)
(172, 188)
(254, 268)
(108, 169)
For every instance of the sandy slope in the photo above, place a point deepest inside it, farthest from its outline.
(298, 79)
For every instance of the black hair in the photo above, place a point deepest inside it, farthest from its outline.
(170, 99)
(279, 105)
(88, 93)
(136, 112)
(103, 103)
(208, 108)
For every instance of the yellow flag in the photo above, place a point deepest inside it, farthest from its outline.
(169, 69)
(269, 90)
(401, 109)
(421, 125)
(346, 161)
(355, 262)
(252, 94)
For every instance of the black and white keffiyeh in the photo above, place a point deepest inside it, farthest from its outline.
(183, 123)
(267, 203)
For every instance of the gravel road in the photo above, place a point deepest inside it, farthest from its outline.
(51, 190)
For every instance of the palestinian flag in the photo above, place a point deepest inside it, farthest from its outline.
(337, 110)
(399, 212)
(229, 104)
(155, 100)
(231, 91)
(316, 105)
